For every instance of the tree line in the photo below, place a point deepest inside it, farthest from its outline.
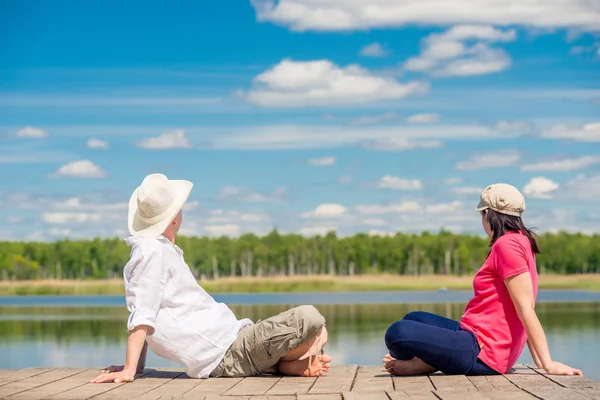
(277, 254)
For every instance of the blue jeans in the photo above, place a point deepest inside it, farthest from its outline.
(438, 341)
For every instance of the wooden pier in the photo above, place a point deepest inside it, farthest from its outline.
(348, 382)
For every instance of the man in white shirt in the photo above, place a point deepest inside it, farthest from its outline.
(180, 321)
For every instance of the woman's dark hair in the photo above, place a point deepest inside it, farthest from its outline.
(503, 223)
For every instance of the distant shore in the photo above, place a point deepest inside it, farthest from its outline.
(296, 284)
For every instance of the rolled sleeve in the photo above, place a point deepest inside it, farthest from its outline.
(145, 290)
(510, 258)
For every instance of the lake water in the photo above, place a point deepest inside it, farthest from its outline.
(90, 331)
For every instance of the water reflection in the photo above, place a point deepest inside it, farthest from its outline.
(96, 336)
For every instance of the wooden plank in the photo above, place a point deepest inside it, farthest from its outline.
(174, 388)
(259, 397)
(370, 395)
(493, 383)
(11, 375)
(571, 382)
(420, 395)
(411, 384)
(56, 387)
(89, 390)
(36, 380)
(452, 383)
(319, 396)
(211, 387)
(338, 379)
(255, 385)
(139, 386)
(292, 385)
(372, 379)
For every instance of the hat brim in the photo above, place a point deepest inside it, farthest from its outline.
(317, 346)
(138, 227)
(482, 206)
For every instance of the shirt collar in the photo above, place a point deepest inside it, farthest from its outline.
(164, 240)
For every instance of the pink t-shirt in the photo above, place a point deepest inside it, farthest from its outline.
(491, 314)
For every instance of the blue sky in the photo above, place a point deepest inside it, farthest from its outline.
(376, 117)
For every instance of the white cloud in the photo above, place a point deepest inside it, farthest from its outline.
(245, 194)
(583, 187)
(396, 183)
(423, 118)
(586, 133)
(81, 169)
(373, 222)
(345, 15)
(373, 50)
(31, 132)
(567, 164)
(540, 188)
(514, 126)
(321, 162)
(373, 119)
(501, 158)
(326, 210)
(344, 179)
(401, 144)
(232, 230)
(67, 218)
(168, 140)
(376, 232)
(467, 191)
(97, 144)
(319, 136)
(447, 54)
(321, 82)
(444, 208)
(453, 181)
(394, 208)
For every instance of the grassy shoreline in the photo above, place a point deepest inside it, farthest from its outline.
(315, 283)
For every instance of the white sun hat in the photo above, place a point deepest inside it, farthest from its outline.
(156, 203)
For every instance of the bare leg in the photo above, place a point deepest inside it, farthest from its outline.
(415, 366)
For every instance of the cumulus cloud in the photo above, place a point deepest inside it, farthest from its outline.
(321, 162)
(319, 136)
(502, 158)
(514, 126)
(583, 187)
(564, 165)
(373, 50)
(401, 144)
(344, 179)
(168, 140)
(345, 15)
(393, 208)
(423, 118)
(453, 181)
(81, 169)
(467, 191)
(31, 132)
(447, 54)
(232, 230)
(326, 210)
(244, 194)
(589, 132)
(321, 82)
(64, 218)
(97, 144)
(540, 188)
(395, 183)
(373, 119)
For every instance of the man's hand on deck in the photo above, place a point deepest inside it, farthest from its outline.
(115, 374)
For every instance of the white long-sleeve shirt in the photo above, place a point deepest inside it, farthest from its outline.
(186, 324)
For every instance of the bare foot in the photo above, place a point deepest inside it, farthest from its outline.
(415, 366)
(320, 365)
(387, 358)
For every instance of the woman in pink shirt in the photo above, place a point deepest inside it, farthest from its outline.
(499, 319)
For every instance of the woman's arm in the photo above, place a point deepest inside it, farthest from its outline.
(521, 293)
(136, 344)
(534, 355)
